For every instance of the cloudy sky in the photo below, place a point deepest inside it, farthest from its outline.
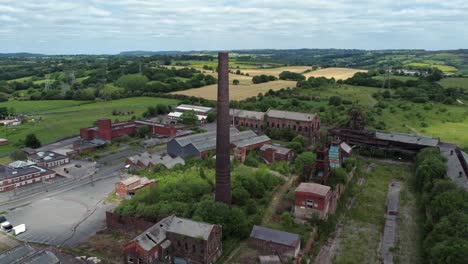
(111, 26)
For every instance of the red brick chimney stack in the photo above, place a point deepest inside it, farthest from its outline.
(223, 163)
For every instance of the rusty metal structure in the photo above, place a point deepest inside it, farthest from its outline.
(223, 163)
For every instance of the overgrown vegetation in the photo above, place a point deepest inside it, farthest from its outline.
(187, 192)
(446, 207)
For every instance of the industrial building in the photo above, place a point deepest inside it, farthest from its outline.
(49, 159)
(304, 124)
(108, 132)
(146, 159)
(274, 153)
(271, 241)
(312, 199)
(176, 240)
(391, 142)
(16, 175)
(199, 145)
(200, 111)
(125, 189)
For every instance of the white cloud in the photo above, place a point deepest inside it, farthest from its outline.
(82, 25)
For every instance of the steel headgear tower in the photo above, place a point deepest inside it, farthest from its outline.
(223, 163)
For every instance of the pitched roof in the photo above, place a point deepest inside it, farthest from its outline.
(196, 108)
(157, 233)
(279, 149)
(290, 115)
(247, 114)
(408, 138)
(148, 159)
(130, 180)
(188, 227)
(252, 141)
(276, 236)
(310, 187)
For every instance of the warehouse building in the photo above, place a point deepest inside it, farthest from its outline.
(146, 160)
(16, 176)
(108, 132)
(200, 145)
(200, 111)
(49, 159)
(304, 124)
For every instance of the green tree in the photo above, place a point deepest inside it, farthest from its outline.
(32, 141)
(18, 155)
(235, 82)
(132, 82)
(211, 117)
(335, 101)
(305, 158)
(143, 131)
(189, 118)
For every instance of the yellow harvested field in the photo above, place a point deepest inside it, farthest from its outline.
(237, 92)
(276, 71)
(337, 73)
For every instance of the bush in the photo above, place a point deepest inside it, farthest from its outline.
(335, 101)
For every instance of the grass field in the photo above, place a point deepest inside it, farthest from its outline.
(58, 119)
(455, 83)
(363, 224)
(238, 92)
(396, 77)
(444, 68)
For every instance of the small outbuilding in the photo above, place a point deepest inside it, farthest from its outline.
(274, 153)
(276, 242)
(312, 199)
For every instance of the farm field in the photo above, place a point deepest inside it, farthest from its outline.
(242, 91)
(233, 64)
(455, 83)
(337, 73)
(363, 224)
(58, 119)
(444, 68)
(396, 77)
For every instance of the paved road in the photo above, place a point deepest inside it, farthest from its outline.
(65, 218)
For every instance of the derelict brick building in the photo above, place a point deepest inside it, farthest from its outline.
(107, 131)
(307, 125)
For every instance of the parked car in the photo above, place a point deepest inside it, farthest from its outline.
(6, 226)
(78, 165)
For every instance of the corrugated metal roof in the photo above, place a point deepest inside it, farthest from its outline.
(279, 149)
(310, 187)
(247, 114)
(187, 107)
(276, 236)
(408, 138)
(251, 141)
(290, 115)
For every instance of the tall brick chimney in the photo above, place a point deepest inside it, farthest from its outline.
(223, 163)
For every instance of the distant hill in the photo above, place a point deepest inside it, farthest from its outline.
(146, 53)
(21, 54)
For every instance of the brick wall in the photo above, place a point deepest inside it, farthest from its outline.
(128, 224)
(268, 247)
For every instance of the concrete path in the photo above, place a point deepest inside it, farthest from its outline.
(389, 237)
